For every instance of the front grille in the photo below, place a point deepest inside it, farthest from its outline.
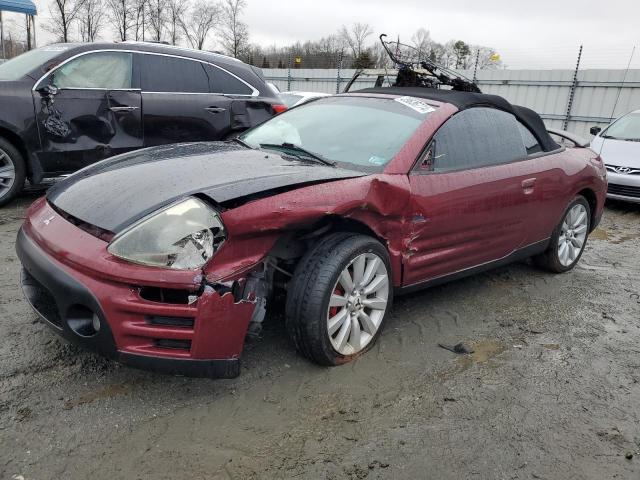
(173, 344)
(623, 170)
(183, 322)
(40, 299)
(625, 190)
(167, 295)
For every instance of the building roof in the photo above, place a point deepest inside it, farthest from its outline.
(465, 100)
(19, 6)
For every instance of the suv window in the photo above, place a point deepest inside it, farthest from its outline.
(530, 142)
(108, 70)
(162, 73)
(475, 138)
(222, 82)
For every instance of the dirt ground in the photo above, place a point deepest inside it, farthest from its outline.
(551, 392)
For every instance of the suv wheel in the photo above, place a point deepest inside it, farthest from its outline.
(12, 172)
(339, 297)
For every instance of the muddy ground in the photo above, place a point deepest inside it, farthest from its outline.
(551, 392)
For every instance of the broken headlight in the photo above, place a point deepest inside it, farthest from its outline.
(183, 236)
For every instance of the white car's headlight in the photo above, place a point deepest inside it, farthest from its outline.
(183, 236)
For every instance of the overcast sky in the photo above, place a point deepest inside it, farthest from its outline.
(533, 34)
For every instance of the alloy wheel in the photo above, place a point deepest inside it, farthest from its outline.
(358, 304)
(573, 234)
(7, 173)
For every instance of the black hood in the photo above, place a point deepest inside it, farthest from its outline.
(116, 192)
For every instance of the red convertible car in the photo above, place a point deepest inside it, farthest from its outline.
(166, 257)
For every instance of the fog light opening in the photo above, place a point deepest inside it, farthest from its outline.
(83, 321)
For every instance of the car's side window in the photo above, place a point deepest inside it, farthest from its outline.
(475, 138)
(101, 70)
(530, 142)
(165, 74)
(222, 82)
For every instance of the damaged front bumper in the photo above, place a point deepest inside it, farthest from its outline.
(152, 320)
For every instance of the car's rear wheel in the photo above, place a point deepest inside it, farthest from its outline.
(569, 238)
(12, 172)
(338, 299)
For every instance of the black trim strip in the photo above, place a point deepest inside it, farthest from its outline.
(520, 254)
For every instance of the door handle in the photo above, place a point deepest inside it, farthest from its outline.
(528, 185)
(123, 109)
(215, 110)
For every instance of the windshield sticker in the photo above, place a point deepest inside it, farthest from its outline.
(416, 104)
(55, 48)
(375, 160)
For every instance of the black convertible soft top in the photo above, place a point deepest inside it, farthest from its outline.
(464, 100)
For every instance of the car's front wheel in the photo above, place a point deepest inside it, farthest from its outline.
(12, 172)
(569, 238)
(338, 298)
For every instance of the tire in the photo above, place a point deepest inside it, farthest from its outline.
(559, 259)
(12, 172)
(318, 280)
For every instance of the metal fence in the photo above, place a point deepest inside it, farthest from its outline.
(563, 98)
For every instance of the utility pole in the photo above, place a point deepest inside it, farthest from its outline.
(289, 72)
(4, 55)
(338, 79)
(572, 91)
(475, 69)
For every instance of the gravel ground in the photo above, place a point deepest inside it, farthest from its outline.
(551, 391)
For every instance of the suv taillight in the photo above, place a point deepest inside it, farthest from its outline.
(278, 108)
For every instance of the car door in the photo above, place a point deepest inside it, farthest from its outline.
(179, 105)
(87, 109)
(470, 196)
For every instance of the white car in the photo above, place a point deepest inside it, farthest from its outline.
(293, 99)
(619, 147)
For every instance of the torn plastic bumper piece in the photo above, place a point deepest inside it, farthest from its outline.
(201, 336)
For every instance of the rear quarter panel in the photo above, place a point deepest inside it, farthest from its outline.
(562, 176)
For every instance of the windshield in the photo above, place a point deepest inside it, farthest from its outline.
(289, 99)
(363, 133)
(19, 66)
(625, 128)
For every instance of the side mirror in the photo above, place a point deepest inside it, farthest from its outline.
(595, 130)
(47, 90)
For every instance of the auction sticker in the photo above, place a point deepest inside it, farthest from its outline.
(416, 104)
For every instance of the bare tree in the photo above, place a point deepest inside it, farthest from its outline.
(176, 10)
(423, 43)
(91, 18)
(234, 34)
(122, 17)
(486, 58)
(356, 37)
(139, 8)
(157, 17)
(201, 19)
(63, 14)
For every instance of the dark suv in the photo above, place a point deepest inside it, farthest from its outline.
(66, 106)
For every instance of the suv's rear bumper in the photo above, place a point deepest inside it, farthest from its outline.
(66, 296)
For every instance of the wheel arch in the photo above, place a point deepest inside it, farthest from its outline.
(592, 200)
(295, 242)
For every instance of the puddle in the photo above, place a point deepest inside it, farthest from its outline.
(106, 392)
(600, 234)
(483, 351)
